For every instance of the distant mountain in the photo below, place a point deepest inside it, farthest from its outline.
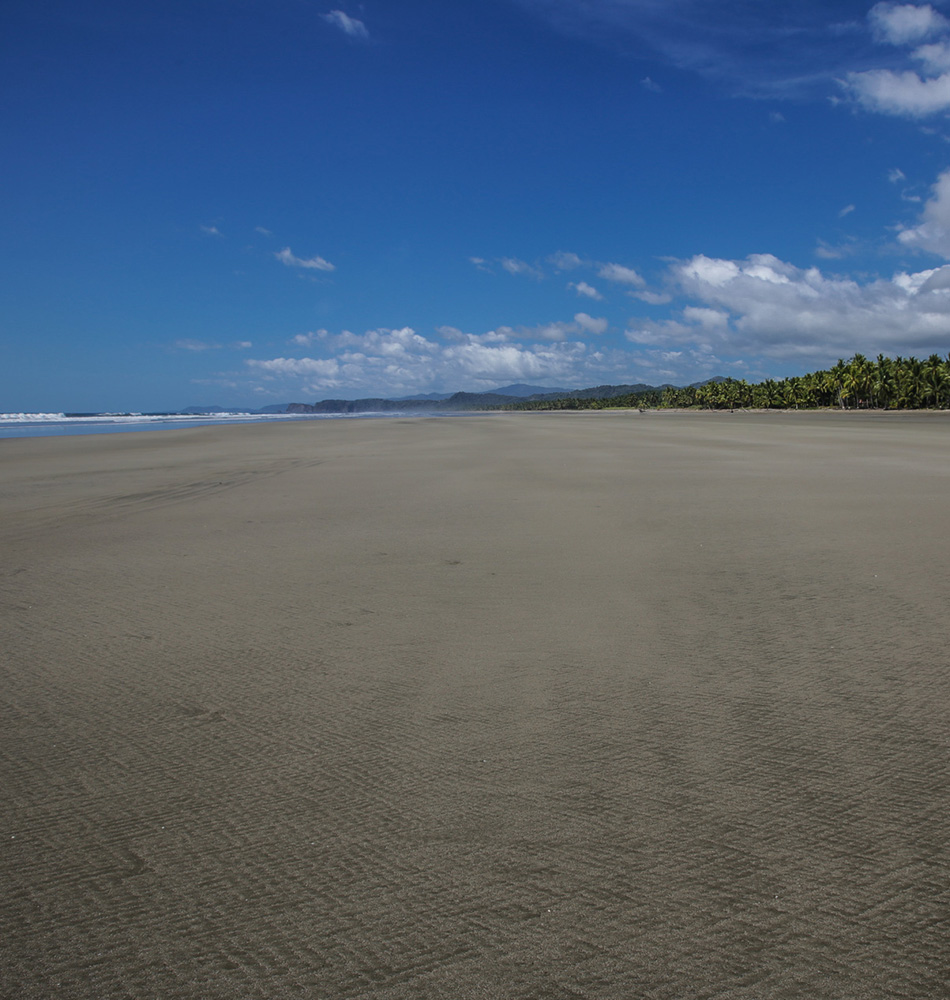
(519, 392)
(437, 402)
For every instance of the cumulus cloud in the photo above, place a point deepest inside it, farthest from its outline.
(621, 275)
(309, 263)
(500, 336)
(906, 92)
(767, 307)
(932, 233)
(588, 291)
(401, 360)
(306, 339)
(589, 324)
(905, 23)
(936, 57)
(708, 319)
(348, 25)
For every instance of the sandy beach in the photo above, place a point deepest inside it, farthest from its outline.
(506, 706)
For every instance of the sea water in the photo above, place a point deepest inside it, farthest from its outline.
(56, 424)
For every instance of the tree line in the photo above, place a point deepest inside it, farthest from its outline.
(858, 384)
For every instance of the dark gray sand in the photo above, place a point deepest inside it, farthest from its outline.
(526, 706)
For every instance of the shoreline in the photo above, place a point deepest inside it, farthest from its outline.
(52, 428)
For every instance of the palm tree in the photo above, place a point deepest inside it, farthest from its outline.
(885, 382)
(934, 382)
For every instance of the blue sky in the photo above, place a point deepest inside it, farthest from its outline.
(242, 202)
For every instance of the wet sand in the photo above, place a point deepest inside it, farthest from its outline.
(514, 706)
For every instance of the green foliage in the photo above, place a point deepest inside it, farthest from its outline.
(859, 384)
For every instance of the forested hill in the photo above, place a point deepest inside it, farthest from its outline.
(887, 383)
(473, 400)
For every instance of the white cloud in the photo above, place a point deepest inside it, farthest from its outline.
(647, 84)
(935, 280)
(904, 24)
(559, 330)
(481, 364)
(847, 210)
(709, 319)
(518, 267)
(500, 336)
(263, 231)
(932, 233)
(348, 25)
(211, 230)
(711, 271)
(650, 332)
(935, 57)
(653, 298)
(312, 263)
(620, 274)
(896, 175)
(588, 291)
(765, 306)
(904, 93)
(306, 339)
(588, 324)
(401, 361)
(566, 261)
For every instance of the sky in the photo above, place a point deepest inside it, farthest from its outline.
(254, 202)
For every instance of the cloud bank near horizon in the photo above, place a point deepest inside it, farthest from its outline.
(738, 315)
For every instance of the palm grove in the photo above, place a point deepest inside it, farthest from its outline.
(887, 383)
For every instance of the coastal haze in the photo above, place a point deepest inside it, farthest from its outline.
(520, 705)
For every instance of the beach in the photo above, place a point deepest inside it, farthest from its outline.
(553, 705)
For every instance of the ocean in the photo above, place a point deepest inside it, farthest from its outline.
(19, 425)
